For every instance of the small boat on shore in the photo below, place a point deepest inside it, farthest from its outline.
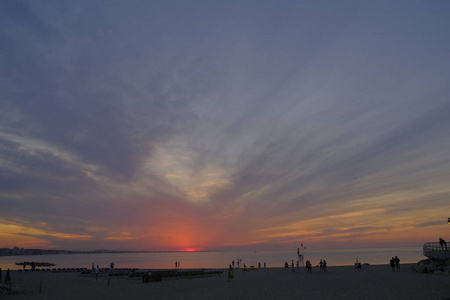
(250, 269)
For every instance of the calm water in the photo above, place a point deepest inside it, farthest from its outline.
(166, 260)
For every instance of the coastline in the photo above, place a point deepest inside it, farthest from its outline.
(199, 259)
(343, 282)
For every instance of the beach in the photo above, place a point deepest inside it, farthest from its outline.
(346, 282)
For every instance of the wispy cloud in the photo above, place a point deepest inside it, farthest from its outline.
(179, 125)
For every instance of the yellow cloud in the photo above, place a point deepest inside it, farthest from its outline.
(195, 183)
(19, 230)
(120, 236)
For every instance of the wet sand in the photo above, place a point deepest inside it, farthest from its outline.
(370, 282)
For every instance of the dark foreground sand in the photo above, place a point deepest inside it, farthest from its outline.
(370, 282)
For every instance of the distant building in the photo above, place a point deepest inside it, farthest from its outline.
(16, 251)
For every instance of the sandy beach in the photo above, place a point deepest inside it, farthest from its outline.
(370, 282)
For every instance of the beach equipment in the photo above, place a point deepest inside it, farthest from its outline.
(35, 264)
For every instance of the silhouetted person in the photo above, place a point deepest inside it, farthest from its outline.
(308, 267)
(397, 263)
(230, 274)
(392, 264)
(324, 265)
(442, 243)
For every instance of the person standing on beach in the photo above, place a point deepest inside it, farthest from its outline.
(392, 263)
(230, 274)
(324, 265)
(320, 265)
(397, 263)
(308, 267)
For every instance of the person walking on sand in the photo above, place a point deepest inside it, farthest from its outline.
(320, 265)
(230, 274)
(392, 264)
(324, 265)
(397, 263)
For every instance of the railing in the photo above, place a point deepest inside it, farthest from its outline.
(436, 251)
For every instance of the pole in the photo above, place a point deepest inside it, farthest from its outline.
(303, 257)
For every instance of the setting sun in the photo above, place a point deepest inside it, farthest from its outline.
(190, 249)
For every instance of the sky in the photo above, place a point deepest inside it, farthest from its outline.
(224, 125)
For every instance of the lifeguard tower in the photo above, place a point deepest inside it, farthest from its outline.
(436, 251)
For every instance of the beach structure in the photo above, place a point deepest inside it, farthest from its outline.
(436, 251)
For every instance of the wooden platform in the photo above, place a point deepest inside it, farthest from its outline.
(436, 251)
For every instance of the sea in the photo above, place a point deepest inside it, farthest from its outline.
(218, 259)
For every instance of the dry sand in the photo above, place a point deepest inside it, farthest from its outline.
(370, 282)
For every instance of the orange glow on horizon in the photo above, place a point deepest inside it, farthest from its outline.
(190, 249)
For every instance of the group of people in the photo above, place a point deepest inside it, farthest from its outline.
(239, 261)
(308, 266)
(323, 265)
(95, 269)
(395, 263)
(177, 264)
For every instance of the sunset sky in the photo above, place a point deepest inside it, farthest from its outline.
(253, 125)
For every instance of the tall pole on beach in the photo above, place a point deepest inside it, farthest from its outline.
(303, 248)
(301, 257)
